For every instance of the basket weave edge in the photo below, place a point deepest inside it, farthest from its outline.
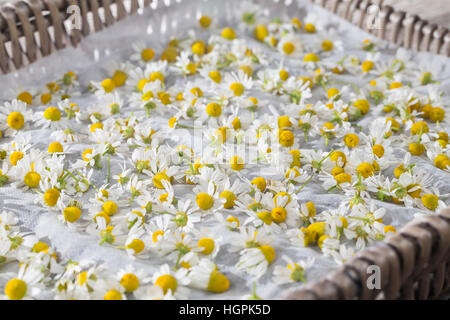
(32, 29)
(413, 264)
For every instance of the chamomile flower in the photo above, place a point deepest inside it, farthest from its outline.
(14, 116)
(172, 282)
(26, 285)
(206, 276)
(293, 271)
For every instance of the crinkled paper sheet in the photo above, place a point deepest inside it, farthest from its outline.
(158, 24)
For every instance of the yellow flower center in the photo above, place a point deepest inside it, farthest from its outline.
(288, 48)
(437, 114)
(229, 197)
(207, 244)
(313, 233)
(205, 21)
(351, 140)
(338, 156)
(46, 98)
(218, 282)
(236, 163)
(261, 32)
(72, 214)
(16, 289)
(367, 65)
(260, 183)
(236, 123)
(228, 33)
(215, 76)
(327, 45)
(365, 169)
(170, 54)
(268, 252)
(378, 150)
(336, 170)
(416, 148)
(85, 153)
(164, 97)
(284, 75)
(137, 245)
(113, 295)
(40, 247)
(15, 120)
(167, 282)
(15, 157)
(104, 216)
(109, 207)
(247, 70)
(332, 92)
(204, 201)
(158, 178)
(296, 22)
(395, 85)
(25, 97)
(389, 228)
(119, 78)
(310, 28)
(52, 114)
(156, 235)
(311, 57)
(279, 214)
(343, 178)
(237, 88)
(213, 109)
(82, 277)
(362, 105)
(55, 147)
(51, 197)
(130, 282)
(32, 179)
(295, 158)
(311, 208)
(442, 162)
(108, 85)
(147, 54)
(95, 126)
(284, 122)
(286, 138)
(430, 201)
(198, 48)
(234, 221)
(265, 216)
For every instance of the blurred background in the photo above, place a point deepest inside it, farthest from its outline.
(436, 11)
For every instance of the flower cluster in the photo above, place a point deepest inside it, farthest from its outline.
(225, 143)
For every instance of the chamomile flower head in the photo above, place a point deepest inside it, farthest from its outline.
(293, 271)
(206, 276)
(173, 282)
(14, 116)
(26, 285)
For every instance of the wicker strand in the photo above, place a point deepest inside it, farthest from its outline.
(414, 264)
(40, 26)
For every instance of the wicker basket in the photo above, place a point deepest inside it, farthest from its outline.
(414, 264)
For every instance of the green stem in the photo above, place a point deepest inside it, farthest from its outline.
(345, 83)
(68, 172)
(109, 171)
(307, 181)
